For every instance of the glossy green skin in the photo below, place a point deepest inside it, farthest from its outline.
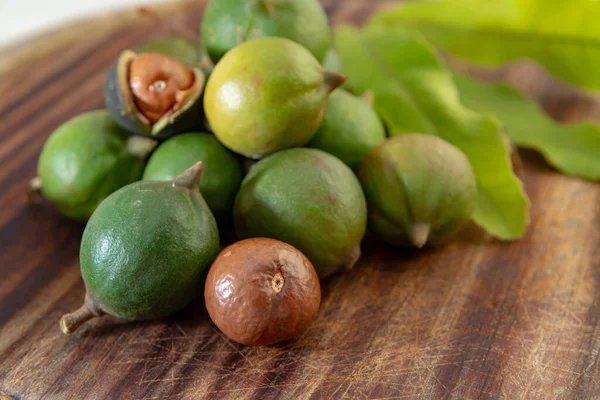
(146, 249)
(85, 160)
(228, 23)
(264, 96)
(307, 198)
(416, 178)
(222, 175)
(350, 130)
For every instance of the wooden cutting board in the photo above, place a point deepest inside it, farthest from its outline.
(477, 318)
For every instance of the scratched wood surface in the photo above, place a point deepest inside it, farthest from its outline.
(477, 318)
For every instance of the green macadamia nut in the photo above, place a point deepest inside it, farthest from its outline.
(267, 95)
(309, 199)
(146, 250)
(350, 130)
(86, 159)
(420, 189)
(223, 170)
(227, 23)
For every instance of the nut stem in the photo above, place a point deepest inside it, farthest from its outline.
(277, 282)
(140, 146)
(333, 80)
(191, 177)
(70, 322)
(352, 258)
(420, 234)
(34, 189)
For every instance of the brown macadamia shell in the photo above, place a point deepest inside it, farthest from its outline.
(262, 291)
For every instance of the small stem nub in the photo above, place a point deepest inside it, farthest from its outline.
(140, 147)
(34, 189)
(277, 282)
(353, 257)
(420, 234)
(70, 322)
(333, 80)
(191, 177)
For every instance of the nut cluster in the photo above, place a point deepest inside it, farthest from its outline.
(279, 104)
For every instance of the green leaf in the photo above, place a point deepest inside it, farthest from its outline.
(414, 92)
(561, 35)
(572, 149)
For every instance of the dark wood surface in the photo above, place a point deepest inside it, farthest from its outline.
(477, 318)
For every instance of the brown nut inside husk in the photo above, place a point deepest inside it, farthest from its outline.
(262, 291)
(159, 84)
(154, 94)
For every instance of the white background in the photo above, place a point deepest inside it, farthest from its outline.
(20, 19)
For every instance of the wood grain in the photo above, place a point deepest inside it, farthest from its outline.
(474, 319)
